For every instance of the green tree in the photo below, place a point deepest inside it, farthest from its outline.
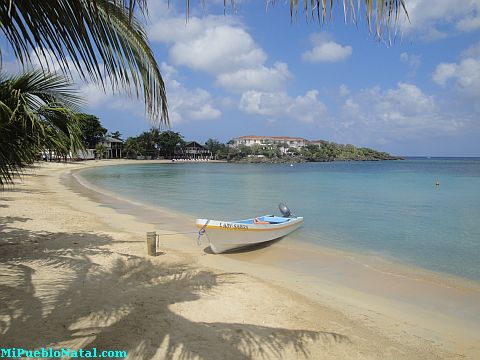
(233, 154)
(272, 151)
(213, 145)
(168, 142)
(256, 149)
(92, 130)
(116, 135)
(293, 151)
(221, 153)
(35, 115)
(100, 150)
(216, 148)
(147, 143)
(133, 147)
(244, 150)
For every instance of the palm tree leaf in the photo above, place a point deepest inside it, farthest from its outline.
(385, 11)
(100, 39)
(35, 114)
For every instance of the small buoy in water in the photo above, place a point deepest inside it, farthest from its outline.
(291, 164)
(437, 183)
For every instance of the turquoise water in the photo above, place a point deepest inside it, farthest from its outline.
(392, 208)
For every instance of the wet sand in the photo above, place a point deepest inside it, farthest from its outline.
(287, 300)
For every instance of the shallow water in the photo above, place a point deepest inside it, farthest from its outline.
(392, 209)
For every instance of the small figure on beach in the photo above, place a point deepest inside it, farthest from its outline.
(437, 184)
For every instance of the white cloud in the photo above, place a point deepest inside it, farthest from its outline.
(343, 90)
(187, 104)
(413, 61)
(443, 72)
(306, 108)
(206, 112)
(405, 112)
(465, 75)
(10, 67)
(326, 50)
(219, 49)
(470, 23)
(183, 104)
(472, 51)
(264, 103)
(214, 44)
(426, 17)
(222, 47)
(93, 95)
(96, 98)
(260, 78)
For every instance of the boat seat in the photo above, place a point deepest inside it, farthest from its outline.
(274, 219)
(258, 221)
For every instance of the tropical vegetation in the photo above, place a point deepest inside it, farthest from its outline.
(37, 115)
(320, 151)
(92, 130)
(154, 144)
(217, 149)
(100, 150)
(116, 135)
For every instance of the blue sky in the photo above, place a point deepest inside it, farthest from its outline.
(253, 72)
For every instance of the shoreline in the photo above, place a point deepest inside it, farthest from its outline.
(409, 327)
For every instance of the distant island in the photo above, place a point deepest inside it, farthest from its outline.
(256, 149)
(247, 149)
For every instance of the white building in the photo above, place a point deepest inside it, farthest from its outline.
(316, 142)
(290, 142)
(113, 147)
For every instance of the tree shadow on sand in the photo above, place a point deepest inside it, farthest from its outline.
(53, 293)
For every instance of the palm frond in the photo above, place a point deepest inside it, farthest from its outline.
(383, 14)
(100, 39)
(39, 88)
(35, 114)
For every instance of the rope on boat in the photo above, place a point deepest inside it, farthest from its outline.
(201, 232)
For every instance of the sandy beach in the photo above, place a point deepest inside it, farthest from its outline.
(74, 273)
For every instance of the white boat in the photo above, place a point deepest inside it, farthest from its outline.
(228, 235)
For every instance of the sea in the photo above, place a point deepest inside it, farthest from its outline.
(423, 212)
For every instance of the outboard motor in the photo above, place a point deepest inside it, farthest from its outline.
(284, 210)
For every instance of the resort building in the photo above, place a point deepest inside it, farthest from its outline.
(193, 150)
(113, 147)
(283, 141)
(316, 142)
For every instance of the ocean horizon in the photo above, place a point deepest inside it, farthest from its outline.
(391, 209)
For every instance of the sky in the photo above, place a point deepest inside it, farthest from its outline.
(254, 71)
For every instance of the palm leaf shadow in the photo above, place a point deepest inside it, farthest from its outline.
(122, 306)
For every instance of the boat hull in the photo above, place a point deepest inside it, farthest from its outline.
(229, 235)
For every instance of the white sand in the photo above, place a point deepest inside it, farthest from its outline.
(74, 273)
